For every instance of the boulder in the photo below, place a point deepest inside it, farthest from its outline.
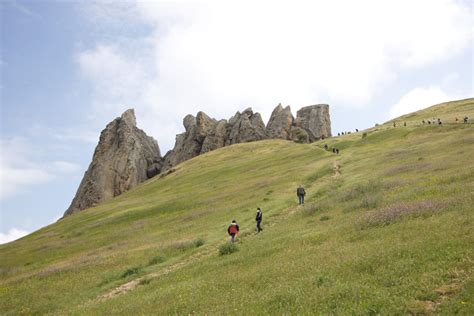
(121, 161)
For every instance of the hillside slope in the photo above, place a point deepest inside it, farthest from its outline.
(388, 228)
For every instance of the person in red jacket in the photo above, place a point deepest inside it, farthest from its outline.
(233, 230)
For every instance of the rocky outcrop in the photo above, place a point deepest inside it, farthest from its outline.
(203, 134)
(245, 127)
(315, 120)
(124, 157)
(279, 125)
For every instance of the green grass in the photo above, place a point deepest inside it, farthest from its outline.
(387, 228)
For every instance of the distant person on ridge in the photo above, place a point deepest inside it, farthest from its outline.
(466, 119)
(300, 192)
(258, 219)
(233, 230)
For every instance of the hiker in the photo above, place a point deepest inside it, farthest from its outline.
(326, 146)
(429, 122)
(258, 219)
(337, 151)
(233, 230)
(439, 121)
(465, 119)
(334, 150)
(338, 134)
(300, 192)
(394, 124)
(357, 130)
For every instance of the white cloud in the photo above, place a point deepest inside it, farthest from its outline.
(65, 167)
(12, 234)
(220, 57)
(418, 99)
(19, 170)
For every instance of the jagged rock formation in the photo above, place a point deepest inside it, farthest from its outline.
(124, 157)
(315, 120)
(245, 127)
(204, 134)
(279, 125)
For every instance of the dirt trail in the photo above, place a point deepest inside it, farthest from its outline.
(129, 286)
(337, 170)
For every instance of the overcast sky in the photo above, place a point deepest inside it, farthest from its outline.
(68, 68)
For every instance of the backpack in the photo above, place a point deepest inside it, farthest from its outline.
(232, 229)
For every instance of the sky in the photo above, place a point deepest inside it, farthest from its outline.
(67, 68)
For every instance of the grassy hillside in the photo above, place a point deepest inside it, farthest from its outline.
(388, 228)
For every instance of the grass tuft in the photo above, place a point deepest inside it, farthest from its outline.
(156, 260)
(131, 271)
(199, 242)
(227, 249)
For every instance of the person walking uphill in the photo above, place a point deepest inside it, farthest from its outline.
(233, 230)
(258, 218)
(300, 193)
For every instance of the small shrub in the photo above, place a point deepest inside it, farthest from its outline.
(320, 281)
(144, 281)
(227, 249)
(156, 260)
(130, 271)
(199, 242)
(324, 218)
(364, 134)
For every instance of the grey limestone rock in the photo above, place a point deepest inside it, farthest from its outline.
(315, 120)
(120, 162)
(279, 125)
(245, 127)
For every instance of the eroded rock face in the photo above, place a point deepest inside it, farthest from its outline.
(124, 157)
(204, 134)
(279, 125)
(315, 120)
(190, 143)
(245, 127)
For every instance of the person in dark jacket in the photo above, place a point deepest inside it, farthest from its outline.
(233, 230)
(258, 219)
(300, 193)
